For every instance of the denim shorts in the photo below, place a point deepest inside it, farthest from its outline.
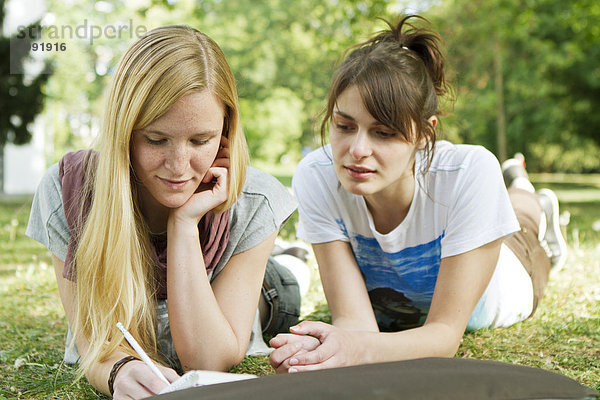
(282, 293)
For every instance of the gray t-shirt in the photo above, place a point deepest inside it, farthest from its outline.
(262, 207)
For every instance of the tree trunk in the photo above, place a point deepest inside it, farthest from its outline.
(1, 169)
(501, 117)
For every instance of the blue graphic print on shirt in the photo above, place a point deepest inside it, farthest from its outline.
(400, 284)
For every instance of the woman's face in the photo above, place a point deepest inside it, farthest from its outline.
(369, 158)
(171, 155)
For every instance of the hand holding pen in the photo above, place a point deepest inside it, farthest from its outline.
(140, 381)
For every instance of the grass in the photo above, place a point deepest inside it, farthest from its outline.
(563, 336)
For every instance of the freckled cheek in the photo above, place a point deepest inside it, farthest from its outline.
(201, 161)
(147, 162)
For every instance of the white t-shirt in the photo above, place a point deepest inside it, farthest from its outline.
(458, 205)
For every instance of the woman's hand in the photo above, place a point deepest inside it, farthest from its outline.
(135, 380)
(317, 346)
(213, 190)
(288, 345)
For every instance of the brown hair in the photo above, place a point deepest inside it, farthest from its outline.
(400, 73)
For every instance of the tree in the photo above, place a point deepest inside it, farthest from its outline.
(283, 55)
(526, 71)
(532, 68)
(21, 96)
(573, 38)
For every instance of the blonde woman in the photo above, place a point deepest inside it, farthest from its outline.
(171, 163)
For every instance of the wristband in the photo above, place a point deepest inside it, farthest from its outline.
(115, 369)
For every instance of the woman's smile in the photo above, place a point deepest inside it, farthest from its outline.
(175, 184)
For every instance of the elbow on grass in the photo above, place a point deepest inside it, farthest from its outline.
(451, 347)
(222, 363)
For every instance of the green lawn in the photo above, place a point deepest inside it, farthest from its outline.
(563, 336)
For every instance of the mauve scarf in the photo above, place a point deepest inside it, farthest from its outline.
(213, 228)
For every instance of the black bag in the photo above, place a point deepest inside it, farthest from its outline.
(427, 378)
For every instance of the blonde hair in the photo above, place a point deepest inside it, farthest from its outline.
(115, 270)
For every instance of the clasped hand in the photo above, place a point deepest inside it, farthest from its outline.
(314, 345)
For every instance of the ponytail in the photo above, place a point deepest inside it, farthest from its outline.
(425, 43)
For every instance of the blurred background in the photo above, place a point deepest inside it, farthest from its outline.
(526, 73)
(527, 79)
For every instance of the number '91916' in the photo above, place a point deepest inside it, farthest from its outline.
(48, 46)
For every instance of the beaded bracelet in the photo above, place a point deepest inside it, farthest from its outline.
(115, 369)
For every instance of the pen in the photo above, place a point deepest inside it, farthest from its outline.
(138, 349)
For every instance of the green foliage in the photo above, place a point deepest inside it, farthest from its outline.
(75, 93)
(282, 54)
(274, 126)
(22, 96)
(21, 90)
(549, 56)
(578, 154)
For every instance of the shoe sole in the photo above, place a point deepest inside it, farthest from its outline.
(553, 234)
(511, 170)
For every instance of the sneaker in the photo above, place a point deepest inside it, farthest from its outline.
(553, 237)
(71, 356)
(513, 169)
(520, 157)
